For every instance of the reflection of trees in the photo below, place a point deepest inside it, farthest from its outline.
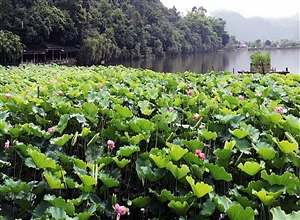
(199, 62)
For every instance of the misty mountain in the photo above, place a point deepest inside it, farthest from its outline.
(251, 29)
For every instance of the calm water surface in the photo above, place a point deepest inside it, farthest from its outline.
(221, 61)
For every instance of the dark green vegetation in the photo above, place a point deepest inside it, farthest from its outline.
(111, 29)
(74, 137)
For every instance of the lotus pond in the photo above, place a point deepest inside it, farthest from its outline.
(119, 143)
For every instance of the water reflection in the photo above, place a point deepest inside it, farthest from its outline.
(221, 61)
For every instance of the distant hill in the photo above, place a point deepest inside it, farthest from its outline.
(251, 29)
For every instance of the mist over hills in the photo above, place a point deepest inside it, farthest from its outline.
(251, 29)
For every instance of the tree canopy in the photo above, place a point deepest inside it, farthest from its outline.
(113, 29)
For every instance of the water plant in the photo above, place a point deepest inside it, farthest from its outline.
(126, 143)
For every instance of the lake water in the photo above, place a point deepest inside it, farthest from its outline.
(220, 61)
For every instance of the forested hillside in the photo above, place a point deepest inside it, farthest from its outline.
(108, 29)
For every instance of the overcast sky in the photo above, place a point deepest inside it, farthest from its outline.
(247, 8)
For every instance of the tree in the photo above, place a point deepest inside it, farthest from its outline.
(268, 43)
(11, 47)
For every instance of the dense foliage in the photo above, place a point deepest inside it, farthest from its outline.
(82, 143)
(113, 29)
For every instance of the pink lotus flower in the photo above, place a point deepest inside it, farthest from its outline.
(171, 109)
(51, 130)
(102, 87)
(241, 98)
(59, 92)
(79, 106)
(9, 125)
(259, 93)
(200, 154)
(279, 110)
(121, 210)
(6, 145)
(111, 144)
(27, 91)
(197, 116)
(190, 92)
(8, 95)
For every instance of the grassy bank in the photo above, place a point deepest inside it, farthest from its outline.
(80, 143)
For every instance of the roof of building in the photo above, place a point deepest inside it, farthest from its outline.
(41, 49)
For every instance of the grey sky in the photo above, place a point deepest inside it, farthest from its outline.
(248, 8)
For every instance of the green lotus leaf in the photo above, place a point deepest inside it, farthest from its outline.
(84, 215)
(14, 186)
(177, 152)
(145, 107)
(87, 180)
(39, 160)
(141, 202)
(225, 118)
(208, 208)
(60, 203)
(287, 147)
(223, 203)
(209, 135)
(177, 172)
(218, 173)
(62, 124)
(53, 181)
(80, 163)
(279, 214)
(160, 161)
(192, 158)
(267, 198)
(291, 138)
(153, 93)
(93, 140)
(124, 112)
(121, 164)
(74, 139)
(295, 159)
(105, 160)
(229, 145)
(243, 146)
(200, 189)
(16, 131)
(253, 185)
(245, 201)
(108, 181)
(34, 130)
(71, 183)
(4, 115)
(192, 101)
(232, 100)
(177, 102)
(61, 141)
(80, 118)
(266, 153)
(40, 209)
(145, 124)
(237, 212)
(85, 131)
(275, 118)
(240, 133)
(164, 196)
(193, 145)
(251, 168)
(128, 150)
(57, 212)
(179, 207)
(90, 108)
(288, 180)
(224, 154)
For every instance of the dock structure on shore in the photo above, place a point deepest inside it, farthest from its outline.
(264, 69)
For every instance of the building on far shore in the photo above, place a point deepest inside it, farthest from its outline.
(49, 52)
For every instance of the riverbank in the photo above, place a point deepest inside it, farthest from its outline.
(274, 48)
